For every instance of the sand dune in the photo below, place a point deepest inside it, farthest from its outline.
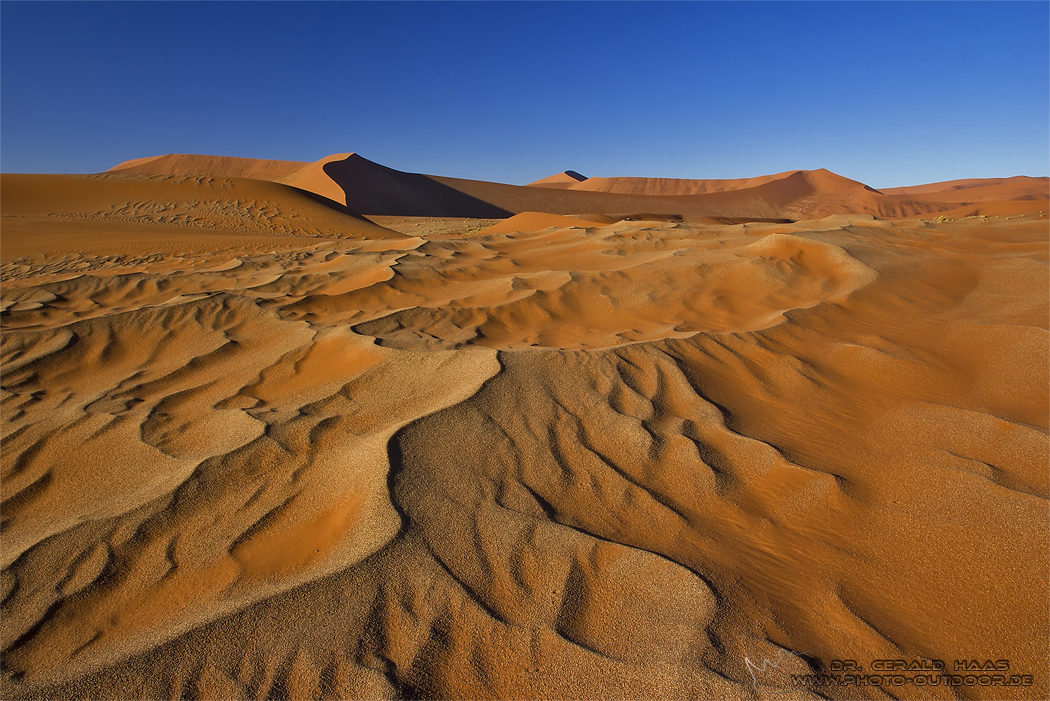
(215, 166)
(992, 208)
(120, 213)
(673, 186)
(980, 189)
(371, 189)
(257, 446)
(564, 179)
(347, 178)
(536, 221)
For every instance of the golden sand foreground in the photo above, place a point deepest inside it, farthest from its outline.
(328, 430)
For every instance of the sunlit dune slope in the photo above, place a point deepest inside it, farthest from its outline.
(117, 212)
(215, 166)
(980, 189)
(564, 179)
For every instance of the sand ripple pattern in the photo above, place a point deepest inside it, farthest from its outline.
(608, 462)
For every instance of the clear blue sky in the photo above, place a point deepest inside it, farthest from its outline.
(888, 93)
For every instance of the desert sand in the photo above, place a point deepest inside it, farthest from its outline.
(330, 430)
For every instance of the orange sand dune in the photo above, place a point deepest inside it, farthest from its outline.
(372, 189)
(535, 221)
(978, 189)
(673, 186)
(564, 179)
(994, 208)
(257, 446)
(349, 179)
(802, 195)
(224, 166)
(124, 212)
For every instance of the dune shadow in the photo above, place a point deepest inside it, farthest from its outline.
(396, 458)
(372, 189)
(327, 202)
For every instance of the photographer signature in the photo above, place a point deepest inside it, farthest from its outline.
(767, 663)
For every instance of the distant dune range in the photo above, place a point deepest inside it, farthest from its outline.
(372, 189)
(331, 430)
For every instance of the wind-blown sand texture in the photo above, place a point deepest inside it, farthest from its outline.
(331, 430)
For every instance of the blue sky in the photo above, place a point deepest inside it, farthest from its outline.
(888, 93)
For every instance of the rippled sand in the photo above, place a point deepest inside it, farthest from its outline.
(258, 446)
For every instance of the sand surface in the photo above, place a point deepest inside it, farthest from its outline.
(564, 179)
(329, 430)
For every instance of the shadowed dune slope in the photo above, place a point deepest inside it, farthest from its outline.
(992, 208)
(375, 189)
(618, 459)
